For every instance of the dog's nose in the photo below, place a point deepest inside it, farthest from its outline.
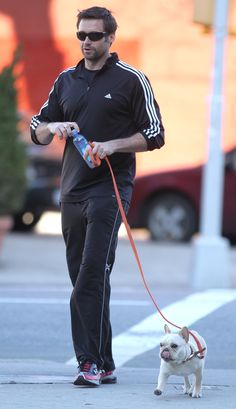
(166, 355)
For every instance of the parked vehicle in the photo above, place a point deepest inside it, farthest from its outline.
(43, 176)
(167, 203)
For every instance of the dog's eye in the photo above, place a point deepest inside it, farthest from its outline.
(161, 345)
(174, 346)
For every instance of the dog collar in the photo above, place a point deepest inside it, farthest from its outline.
(200, 349)
(195, 354)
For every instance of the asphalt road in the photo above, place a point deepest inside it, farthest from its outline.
(35, 291)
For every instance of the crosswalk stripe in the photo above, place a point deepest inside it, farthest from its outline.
(28, 300)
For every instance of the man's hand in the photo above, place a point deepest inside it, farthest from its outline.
(62, 129)
(101, 149)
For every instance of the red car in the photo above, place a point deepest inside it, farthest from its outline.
(168, 203)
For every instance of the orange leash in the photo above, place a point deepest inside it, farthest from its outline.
(97, 162)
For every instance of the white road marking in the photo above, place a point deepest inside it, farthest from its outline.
(146, 335)
(28, 300)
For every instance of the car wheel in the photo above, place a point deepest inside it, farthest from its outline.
(171, 217)
(26, 221)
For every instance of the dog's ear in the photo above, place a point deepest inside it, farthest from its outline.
(167, 329)
(184, 333)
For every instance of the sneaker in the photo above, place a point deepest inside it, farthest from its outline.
(88, 374)
(108, 377)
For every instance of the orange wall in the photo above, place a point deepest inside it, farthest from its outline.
(156, 36)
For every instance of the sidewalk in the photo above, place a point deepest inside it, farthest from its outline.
(40, 259)
(37, 261)
(39, 385)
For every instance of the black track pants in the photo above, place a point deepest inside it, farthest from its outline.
(90, 230)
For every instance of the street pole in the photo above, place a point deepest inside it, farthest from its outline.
(210, 249)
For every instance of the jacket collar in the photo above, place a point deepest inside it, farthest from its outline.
(109, 62)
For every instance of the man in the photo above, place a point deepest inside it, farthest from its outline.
(113, 105)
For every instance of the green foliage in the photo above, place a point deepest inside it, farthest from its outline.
(12, 150)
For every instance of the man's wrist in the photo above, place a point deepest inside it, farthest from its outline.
(43, 133)
(48, 127)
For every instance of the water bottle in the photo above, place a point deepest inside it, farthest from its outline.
(81, 144)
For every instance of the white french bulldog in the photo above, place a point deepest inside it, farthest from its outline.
(181, 357)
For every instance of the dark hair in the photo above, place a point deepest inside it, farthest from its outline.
(99, 13)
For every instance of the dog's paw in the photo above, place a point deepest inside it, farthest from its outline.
(196, 394)
(186, 390)
(157, 392)
(190, 391)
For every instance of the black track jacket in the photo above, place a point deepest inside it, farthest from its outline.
(118, 103)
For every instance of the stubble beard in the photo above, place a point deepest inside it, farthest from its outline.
(95, 55)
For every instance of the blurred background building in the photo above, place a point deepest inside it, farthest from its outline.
(162, 38)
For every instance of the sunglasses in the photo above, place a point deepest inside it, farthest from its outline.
(92, 36)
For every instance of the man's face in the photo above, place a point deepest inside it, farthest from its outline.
(94, 50)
